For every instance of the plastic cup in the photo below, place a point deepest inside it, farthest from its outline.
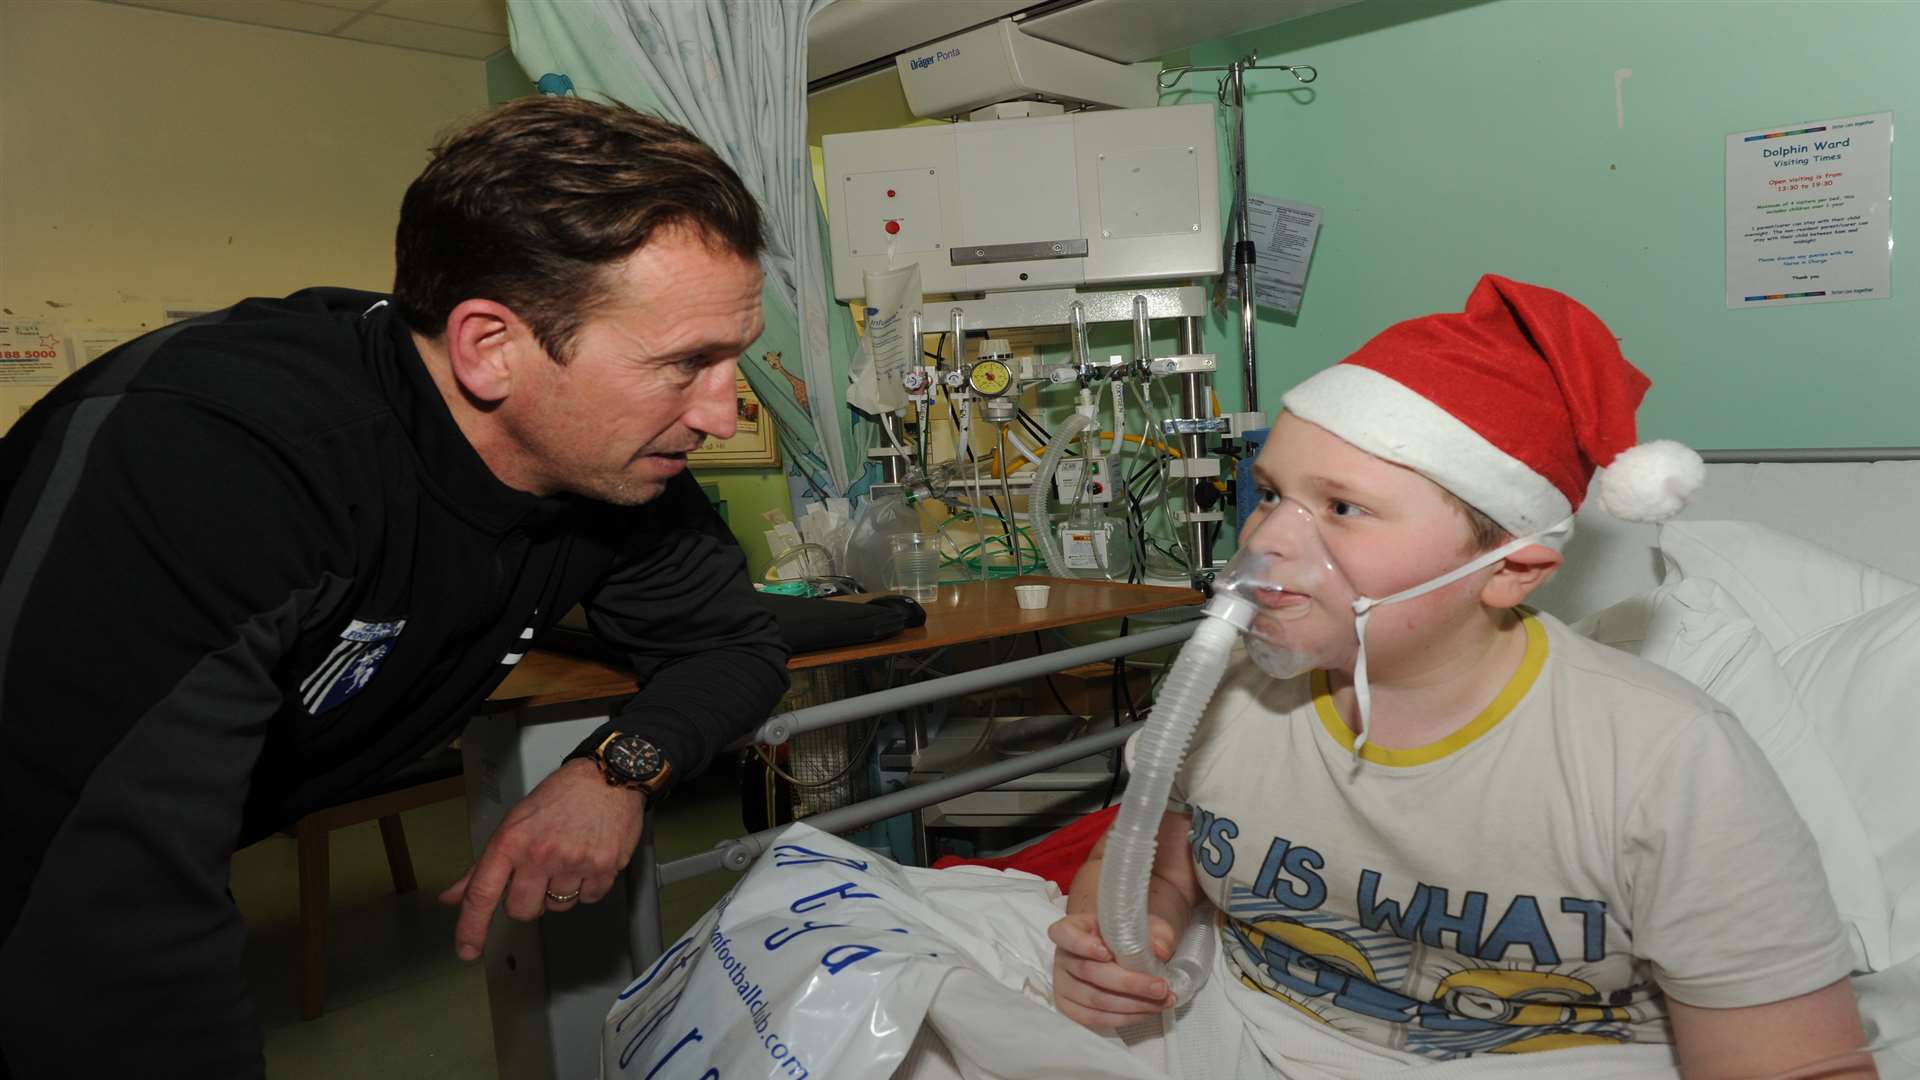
(916, 566)
(1032, 596)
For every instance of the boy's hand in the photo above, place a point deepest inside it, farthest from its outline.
(1092, 990)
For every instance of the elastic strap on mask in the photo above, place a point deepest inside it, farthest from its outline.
(1363, 608)
(1362, 693)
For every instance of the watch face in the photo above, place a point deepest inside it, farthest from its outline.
(633, 758)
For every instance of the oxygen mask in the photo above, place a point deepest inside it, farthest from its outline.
(1297, 611)
(1290, 599)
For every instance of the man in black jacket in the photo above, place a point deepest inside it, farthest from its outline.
(259, 561)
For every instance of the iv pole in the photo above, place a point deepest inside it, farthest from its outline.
(1232, 92)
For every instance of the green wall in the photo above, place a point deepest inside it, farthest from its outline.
(505, 80)
(749, 493)
(1444, 139)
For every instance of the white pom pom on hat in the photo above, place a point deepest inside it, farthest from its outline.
(1650, 482)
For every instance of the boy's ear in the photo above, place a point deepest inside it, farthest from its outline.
(1519, 574)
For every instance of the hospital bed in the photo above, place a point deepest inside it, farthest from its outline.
(555, 978)
(1818, 543)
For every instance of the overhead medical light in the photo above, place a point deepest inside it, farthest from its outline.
(996, 64)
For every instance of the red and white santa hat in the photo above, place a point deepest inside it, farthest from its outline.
(1512, 405)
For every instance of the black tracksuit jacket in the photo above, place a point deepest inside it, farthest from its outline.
(252, 567)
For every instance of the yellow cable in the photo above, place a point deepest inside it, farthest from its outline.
(998, 462)
(1143, 441)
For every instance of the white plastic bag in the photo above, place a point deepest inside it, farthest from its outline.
(887, 348)
(869, 553)
(825, 960)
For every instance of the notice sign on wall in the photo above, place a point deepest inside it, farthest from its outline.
(1809, 212)
(32, 353)
(1284, 233)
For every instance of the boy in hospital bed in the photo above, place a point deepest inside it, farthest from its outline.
(1505, 838)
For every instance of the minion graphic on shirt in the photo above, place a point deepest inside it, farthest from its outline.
(1378, 986)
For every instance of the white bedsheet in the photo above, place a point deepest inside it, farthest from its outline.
(978, 1030)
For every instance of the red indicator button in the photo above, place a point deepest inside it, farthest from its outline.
(893, 228)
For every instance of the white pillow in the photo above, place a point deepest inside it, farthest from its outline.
(1624, 625)
(1789, 587)
(1697, 629)
(1861, 678)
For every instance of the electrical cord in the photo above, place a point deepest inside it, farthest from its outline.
(772, 771)
(993, 699)
(1119, 687)
(1006, 490)
(1146, 404)
(1139, 518)
(857, 760)
(1033, 427)
(1143, 515)
(923, 666)
(939, 346)
(954, 413)
(1039, 648)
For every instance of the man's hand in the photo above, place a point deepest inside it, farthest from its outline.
(1091, 989)
(559, 846)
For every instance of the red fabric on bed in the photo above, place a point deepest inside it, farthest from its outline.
(1056, 857)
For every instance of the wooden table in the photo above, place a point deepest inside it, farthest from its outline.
(549, 982)
(976, 611)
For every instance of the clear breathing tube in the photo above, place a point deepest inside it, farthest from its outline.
(1263, 596)
(1128, 868)
(1039, 496)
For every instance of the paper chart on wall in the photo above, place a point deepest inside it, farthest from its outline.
(1809, 212)
(93, 342)
(1283, 234)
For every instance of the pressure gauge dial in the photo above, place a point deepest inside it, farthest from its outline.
(954, 379)
(914, 380)
(990, 378)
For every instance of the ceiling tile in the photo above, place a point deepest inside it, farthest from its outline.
(407, 34)
(487, 16)
(285, 14)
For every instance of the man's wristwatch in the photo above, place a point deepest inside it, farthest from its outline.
(630, 761)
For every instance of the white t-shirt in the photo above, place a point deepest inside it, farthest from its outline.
(1602, 833)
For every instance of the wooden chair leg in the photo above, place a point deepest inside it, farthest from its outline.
(310, 843)
(399, 863)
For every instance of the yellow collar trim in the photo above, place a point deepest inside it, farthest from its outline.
(1502, 704)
